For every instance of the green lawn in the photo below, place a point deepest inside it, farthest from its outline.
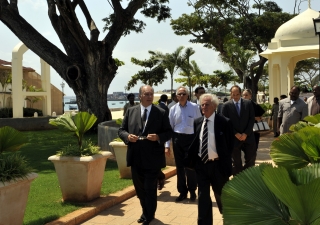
(45, 200)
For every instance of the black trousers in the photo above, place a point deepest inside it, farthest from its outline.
(145, 184)
(209, 174)
(250, 154)
(186, 178)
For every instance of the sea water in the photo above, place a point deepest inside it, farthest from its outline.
(111, 104)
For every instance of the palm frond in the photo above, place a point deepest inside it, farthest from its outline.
(11, 139)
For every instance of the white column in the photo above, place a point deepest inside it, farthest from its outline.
(17, 76)
(46, 86)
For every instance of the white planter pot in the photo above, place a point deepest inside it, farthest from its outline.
(13, 199)
(80, 178)
(120, 151)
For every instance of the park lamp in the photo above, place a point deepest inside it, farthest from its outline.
(316, 23)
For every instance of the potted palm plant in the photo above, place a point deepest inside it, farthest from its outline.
(15, 177)
(80, 166)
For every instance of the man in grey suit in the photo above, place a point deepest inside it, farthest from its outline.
(241, 113)
(314, 101)
(145, 129)
(291, 110)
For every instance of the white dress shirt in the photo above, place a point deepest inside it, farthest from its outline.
(234, 102)
(212, 149)
(148, 113)
(182, 117)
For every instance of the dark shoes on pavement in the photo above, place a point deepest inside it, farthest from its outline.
(276, 135)
(181, 197)
(160, 184)
(143, 220)
(193, 196)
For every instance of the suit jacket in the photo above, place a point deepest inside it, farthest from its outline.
(146, 154)
(163, 106)
(224, 138)
(243, 123)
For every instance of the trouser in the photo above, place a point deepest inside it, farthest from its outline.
(209, 174)
(186, 178)
(145, 184)
(250, 154)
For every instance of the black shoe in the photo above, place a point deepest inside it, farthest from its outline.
(141, 220)
(193, 196)
(181, 198)
(147, 222)
(160, 184)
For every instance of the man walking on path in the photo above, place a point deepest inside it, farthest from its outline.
(210, 156)
(182, 116)
(145, 129)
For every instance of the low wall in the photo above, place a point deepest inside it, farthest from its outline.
(107, 132)
(28, 123)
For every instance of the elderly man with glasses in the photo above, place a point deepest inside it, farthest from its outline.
(182, 116)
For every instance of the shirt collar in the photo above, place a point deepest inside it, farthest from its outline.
(211, 118)
(148, 108)
(237, 101)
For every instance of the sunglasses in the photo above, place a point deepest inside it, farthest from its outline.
(182, 94)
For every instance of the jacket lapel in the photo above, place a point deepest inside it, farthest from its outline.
(138, 118)
(150, 118)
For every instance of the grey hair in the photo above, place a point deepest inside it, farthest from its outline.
(140, 89)
(213, 98)
(186, 89)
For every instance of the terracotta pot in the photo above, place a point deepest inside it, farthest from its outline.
(13, 199)
(120, 151)
(80, 178)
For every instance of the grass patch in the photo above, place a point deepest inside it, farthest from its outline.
(45, 198)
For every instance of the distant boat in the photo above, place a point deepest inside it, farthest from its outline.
(121, 102)
(113, 103)
(72, 101)
(72, 107)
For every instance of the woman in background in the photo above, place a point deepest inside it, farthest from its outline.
(258, 112)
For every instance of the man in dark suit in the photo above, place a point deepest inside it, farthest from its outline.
(162, 103)
(198, 92)
(241, 113)
(210, 156)
(145, 129)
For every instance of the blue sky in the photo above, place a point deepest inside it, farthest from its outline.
(156, 36)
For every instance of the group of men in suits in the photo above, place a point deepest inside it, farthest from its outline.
(205, 146)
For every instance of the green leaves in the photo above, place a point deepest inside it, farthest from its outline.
(247, 200)
(78, 125)
(267, 195)
(11, 139)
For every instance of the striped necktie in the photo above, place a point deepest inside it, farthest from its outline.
(204, 144)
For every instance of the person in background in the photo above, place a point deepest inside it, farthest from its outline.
(314, 101)
(210, 156)
(282, 97)
(241, 113)
(274, 116)
(305, 99)
(219, 110)
(131, 103)
(174, 100)
(198, 92)
(145, 129)
(291, 110)
(182, 116)
(258, 112)
(163, 103)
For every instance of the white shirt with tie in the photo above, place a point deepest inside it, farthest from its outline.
(212, 149)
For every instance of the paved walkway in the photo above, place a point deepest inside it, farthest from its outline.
(169, 212)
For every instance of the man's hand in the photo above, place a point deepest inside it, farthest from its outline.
(243, 137)
(153, 137)
(132, 138)
(167, 151)
(238, 136)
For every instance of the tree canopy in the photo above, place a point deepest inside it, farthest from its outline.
(234, 28)
(86, 63)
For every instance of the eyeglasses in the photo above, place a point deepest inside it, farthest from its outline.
(182, 94)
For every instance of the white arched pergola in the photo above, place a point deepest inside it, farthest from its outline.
(18, 95)
(294, 41)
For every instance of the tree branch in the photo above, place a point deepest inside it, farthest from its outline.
(33, 39)
(14, 5)
(67, 14)
(94, 32)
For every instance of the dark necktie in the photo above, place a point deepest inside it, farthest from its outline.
(238, 108)
(204, 145)
(144, 118)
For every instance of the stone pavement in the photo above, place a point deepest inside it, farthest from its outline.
(169, 212)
